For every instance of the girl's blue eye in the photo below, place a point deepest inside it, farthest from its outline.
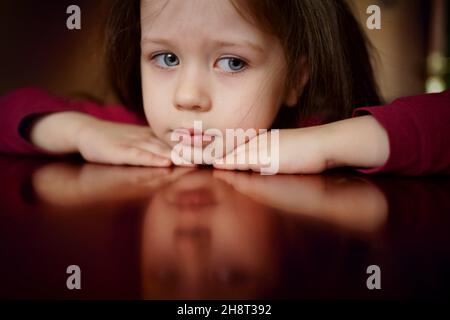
(231, 64)
(166, 59)
(228, 64)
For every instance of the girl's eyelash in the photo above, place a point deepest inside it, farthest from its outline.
(154, 55)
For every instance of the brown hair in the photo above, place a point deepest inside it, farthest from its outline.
(325, 32)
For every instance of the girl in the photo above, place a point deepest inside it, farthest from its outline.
(237, 64)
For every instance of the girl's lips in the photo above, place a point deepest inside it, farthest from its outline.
(193, 137)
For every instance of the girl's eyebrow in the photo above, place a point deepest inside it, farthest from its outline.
(245, 43)
(217, 43)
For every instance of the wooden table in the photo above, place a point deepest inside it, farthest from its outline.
(147, 233)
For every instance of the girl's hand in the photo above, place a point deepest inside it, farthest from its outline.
(357, 142)
(297, 151)
(98, 140)
(121, 144)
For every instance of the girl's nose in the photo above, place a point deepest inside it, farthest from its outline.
(192, 93)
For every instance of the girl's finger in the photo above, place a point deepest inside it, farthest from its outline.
(185, 156)
(155, 147)
(238, 159)
(139, 157)
(228, 162)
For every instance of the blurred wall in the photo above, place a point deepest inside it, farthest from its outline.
(38, 49)
(401, 45)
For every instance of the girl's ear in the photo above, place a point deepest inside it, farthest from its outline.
(295, 92)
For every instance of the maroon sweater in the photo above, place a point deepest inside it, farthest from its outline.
(418, 127)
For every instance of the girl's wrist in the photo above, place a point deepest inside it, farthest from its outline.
(356, 142)
(83, 126)
(58, 132)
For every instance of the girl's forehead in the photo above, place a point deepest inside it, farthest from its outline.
(156, 7)
(194, 17)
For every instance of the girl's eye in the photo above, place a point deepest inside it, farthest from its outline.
(166, 59)
(231, 64)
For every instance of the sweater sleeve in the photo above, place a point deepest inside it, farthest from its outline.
(20, 105)
(418, 128)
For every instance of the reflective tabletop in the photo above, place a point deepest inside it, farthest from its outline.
(199, 233)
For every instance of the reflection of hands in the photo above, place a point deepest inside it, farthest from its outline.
(69, 185)
(348, 202)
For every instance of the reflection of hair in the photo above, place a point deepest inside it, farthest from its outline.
(323, 31)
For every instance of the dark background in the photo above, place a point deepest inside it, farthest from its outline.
(38, 49)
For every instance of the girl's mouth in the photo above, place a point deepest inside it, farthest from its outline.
(195, 138)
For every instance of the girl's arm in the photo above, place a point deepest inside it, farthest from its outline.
(27, 108)
(359, 142)
(410, 136)
(418, 130)
(35, 122)
(355, 142)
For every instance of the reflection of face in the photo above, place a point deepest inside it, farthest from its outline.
(201, 60)
(201, 239)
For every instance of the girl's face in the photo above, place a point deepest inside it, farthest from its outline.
(202, 61)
